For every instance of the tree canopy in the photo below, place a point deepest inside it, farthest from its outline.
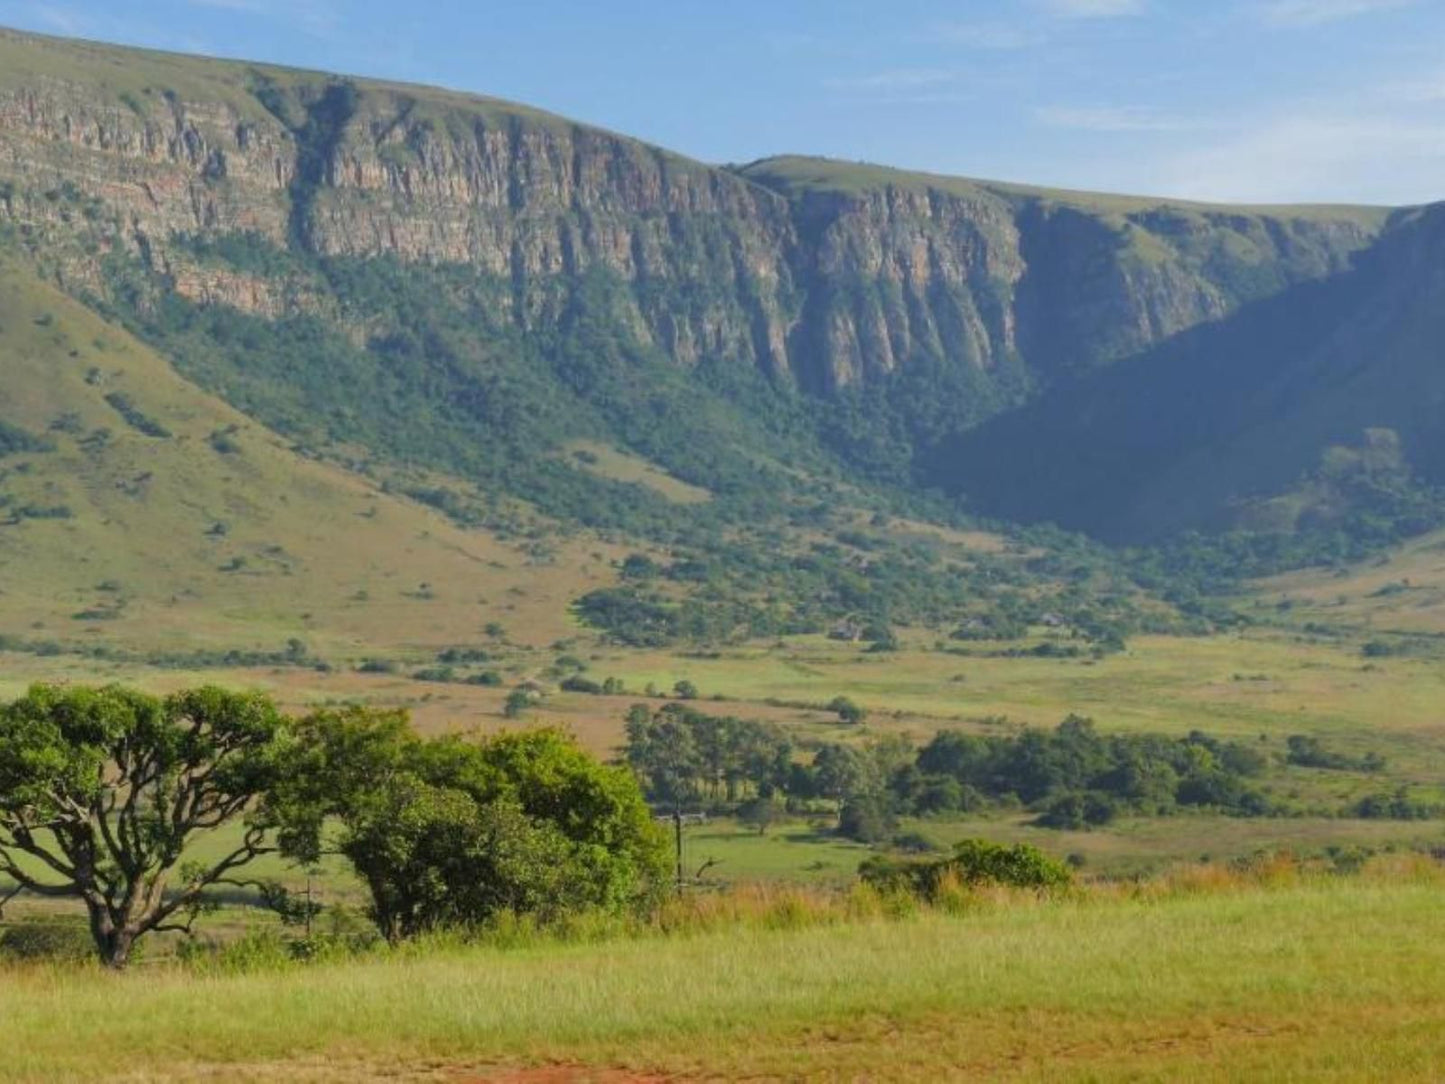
(102, 788)
(451, 832)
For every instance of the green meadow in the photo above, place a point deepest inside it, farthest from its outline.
(1286, 975)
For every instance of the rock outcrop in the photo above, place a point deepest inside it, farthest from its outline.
(819, 273)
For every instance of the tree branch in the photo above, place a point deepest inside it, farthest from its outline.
(30, 884)
(250, 849)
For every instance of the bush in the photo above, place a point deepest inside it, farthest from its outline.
(760, 813)
(974, 862)
(47, 940)
(1398, 806)
(1310, 752)
(579, 684)
(449, 834)
(141, 423)
(915, 843)
(866, 818)
(1084, 809)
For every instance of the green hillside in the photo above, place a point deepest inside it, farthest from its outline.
(141, 516)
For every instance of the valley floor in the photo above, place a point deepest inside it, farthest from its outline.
(1339, 978)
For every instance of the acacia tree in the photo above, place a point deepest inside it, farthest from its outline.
(102, 788)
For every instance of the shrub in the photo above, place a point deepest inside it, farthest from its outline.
(866, 818)
(1310, 752)
(915, 843)
(135, 418)
(760, 813)
(47, 940)
(974, 862)
(1083, 809)
(579, 684)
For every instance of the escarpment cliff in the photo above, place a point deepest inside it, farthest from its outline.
(825, 273)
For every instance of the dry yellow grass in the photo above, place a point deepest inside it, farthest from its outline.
(314, 552)
(1402, 591)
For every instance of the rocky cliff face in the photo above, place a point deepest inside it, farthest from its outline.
(804, 270)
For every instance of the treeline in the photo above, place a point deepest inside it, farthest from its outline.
(1070, 777)
(1074, 776)
(859, 588)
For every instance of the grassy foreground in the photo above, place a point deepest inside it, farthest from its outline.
(1338, 978)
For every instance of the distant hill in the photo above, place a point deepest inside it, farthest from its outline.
(1202, 430)
(557, 340)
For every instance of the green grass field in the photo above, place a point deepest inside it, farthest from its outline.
(1333, 978)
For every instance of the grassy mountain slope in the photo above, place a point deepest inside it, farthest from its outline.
(209, 531)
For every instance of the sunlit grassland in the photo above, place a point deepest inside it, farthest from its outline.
(1337, 977)
(1401, 591)
(1266, 682)
(221, 535)
(608, 462)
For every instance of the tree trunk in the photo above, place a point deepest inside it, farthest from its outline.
(117, 954)
(114, 942)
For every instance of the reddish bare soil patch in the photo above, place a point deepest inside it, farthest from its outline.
(566, 1074)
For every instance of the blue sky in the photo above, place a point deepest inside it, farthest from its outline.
(1252, 100)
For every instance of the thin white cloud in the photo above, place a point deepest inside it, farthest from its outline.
(1319, 155)
(1113, 119)
(897, 79)
(319, 17)
(1318, 12)
(1094, 9)
(992, 36)
(63, 20)
(252, 7)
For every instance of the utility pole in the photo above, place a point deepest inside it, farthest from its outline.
(677, 832)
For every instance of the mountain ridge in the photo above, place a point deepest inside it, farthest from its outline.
(473, 286)
(442, 176)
